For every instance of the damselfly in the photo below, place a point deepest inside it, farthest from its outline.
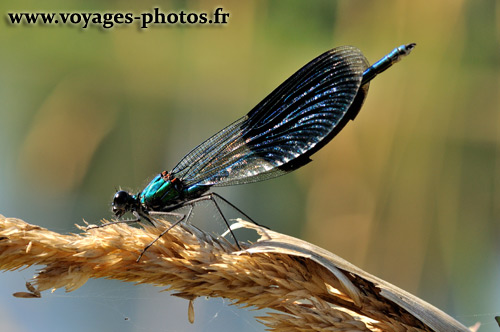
(276, 137)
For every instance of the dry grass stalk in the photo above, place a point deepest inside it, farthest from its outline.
(311, 289)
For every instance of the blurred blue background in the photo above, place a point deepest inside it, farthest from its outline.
(410, 191)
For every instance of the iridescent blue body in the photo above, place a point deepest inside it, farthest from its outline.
(164, 191)
(381, 65)
(276, 137)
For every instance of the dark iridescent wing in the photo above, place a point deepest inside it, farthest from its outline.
(282, 131)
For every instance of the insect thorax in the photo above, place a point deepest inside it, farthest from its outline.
(166, 190)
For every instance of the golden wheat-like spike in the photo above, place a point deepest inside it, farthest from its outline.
(312, 289)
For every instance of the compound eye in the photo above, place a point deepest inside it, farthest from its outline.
(120, 200)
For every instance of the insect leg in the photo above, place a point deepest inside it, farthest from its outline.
(183, 216)
(211, 197)
(237, 209)
(138, 218)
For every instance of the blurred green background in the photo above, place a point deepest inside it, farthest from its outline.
(409, 191)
